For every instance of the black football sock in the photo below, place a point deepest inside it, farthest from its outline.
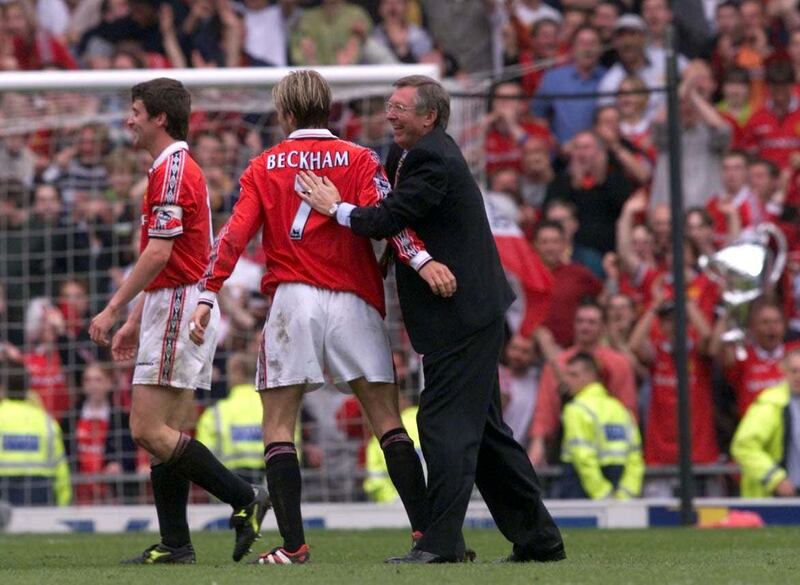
(285, 489)
(194, 461)
(171, 496)
(405, 471)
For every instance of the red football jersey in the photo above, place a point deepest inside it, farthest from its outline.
(176, 206)
(503, 151)
(758, 371)
(772, 138)
(661, 432)
(301, 245)
(745, 204)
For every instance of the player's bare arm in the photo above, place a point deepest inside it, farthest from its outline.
(152, 260)
(321, 194)
(126, 340)
(197, 326)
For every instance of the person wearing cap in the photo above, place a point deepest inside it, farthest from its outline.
(773, 131)
(630, 40)
(601, 452)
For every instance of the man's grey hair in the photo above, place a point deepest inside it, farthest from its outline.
(431, 97)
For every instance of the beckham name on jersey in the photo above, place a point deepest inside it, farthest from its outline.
(297, 159)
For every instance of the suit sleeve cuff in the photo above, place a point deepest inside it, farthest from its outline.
(343, 214)
(207, 297)
(420, 260)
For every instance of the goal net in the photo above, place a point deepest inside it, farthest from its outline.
(70, 195)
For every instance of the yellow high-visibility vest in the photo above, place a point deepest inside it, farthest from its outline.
(31, 445)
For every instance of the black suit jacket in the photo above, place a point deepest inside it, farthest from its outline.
(437, 197)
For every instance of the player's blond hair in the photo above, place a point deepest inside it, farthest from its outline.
(306, 95)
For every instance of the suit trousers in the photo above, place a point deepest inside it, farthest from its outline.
(465, 442)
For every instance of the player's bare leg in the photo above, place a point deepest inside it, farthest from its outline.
(151, 412)
(281, 407)
(382, 409)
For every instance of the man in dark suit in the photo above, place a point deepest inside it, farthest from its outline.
(464, 439)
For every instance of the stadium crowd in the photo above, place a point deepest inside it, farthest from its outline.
(577, 190)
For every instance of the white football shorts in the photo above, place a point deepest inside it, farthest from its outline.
(167, 357)
(314, 334)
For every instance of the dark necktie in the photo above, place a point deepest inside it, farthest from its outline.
(387, 257)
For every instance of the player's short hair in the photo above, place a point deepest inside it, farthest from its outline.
(431, 97)
(306, 95)
(166, 96)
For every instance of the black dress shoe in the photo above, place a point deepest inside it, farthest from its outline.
(520, 555)
(418, 557)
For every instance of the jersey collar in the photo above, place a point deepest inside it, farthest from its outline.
(171, 149)
(311, 133)
(765, 354)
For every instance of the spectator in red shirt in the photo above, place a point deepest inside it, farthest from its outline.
(508, 127)
(617, 375)
(572, 282)
(731, 208)
(629, 268)
(33, 48)
(763, 177)
(736, 106)
(699, 231)
(653, 340)
(43, 325)
(758, 367)
(97, 437)
(773, 131)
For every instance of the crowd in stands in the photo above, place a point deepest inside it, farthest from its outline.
(573, 152)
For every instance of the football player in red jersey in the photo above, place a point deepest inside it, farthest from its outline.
(328, 302)
(175, 247)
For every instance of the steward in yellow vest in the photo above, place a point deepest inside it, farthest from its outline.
(767, 442)
(601, 450)
(33, 468)
(231, 428)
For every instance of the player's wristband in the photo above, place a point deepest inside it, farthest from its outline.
(207, 297)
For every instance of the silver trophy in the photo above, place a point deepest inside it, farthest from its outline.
(745, 270)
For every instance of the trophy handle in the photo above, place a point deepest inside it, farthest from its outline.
(770, 229)
(705, 262)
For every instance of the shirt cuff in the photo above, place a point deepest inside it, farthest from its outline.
(207, 297)
(420, 260)
(343, 213)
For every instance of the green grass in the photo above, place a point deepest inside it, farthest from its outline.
(607, 557)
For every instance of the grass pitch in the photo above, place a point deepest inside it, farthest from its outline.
(607, 557)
